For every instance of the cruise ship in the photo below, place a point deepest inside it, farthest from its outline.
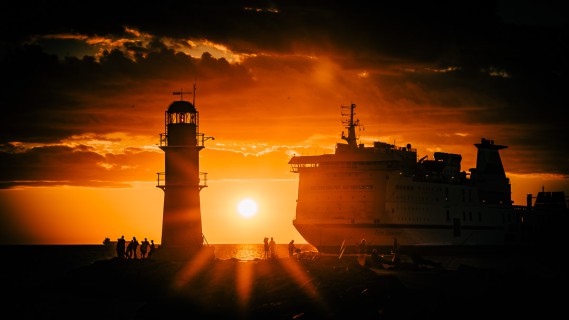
(388, 196)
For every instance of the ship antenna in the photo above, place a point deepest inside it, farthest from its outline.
(351, 125)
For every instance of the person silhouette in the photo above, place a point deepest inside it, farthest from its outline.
(266, 247)
(291, 249)
(121, 244)
(135, 244)
(144, 248)
(272, 248)
(128, 253)
(131, 249)
(152, 248)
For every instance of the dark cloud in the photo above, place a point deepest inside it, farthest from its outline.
(61, 165)
(46, 99)
(480, 61)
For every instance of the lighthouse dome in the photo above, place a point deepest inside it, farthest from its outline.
(181, 107)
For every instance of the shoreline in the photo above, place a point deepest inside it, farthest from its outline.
(329, 288)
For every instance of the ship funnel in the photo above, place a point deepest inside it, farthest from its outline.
(489, 175)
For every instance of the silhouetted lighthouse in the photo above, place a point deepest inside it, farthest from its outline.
(182, 235)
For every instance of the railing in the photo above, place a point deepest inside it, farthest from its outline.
(161, 180)
(203, 178)
(161, 183)
(200, 139)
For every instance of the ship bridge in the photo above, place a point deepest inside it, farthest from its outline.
(381, 156)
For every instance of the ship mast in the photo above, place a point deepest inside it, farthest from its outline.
(351, 125)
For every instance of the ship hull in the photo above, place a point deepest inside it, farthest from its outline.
(338, 238)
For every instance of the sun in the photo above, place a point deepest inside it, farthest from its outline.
(247, 208)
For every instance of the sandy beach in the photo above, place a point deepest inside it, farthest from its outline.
(283, 288)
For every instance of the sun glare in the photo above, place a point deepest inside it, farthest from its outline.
(247, 208)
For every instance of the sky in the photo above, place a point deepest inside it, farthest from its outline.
(85, 88)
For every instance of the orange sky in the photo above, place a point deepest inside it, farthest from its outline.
(79, 137)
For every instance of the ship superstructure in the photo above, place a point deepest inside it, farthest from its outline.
(385, 194)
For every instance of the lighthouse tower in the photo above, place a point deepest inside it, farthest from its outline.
(182, 236)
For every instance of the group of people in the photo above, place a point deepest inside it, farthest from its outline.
(270, 248)
(129, 251)
(271, 252)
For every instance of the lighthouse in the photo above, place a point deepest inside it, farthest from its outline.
(182, 236)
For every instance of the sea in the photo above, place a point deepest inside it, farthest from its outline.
(67, 257)
(23, 260)
(252, 251)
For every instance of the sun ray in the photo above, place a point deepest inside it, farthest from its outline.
(192, 268)
(244, 283)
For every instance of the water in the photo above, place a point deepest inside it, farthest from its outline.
(250, 252)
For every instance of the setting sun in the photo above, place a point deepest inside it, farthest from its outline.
(247, 208)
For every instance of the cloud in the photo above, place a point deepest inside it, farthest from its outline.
(275, 73)
(80, 165)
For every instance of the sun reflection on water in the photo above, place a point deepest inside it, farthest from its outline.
(249, 252)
